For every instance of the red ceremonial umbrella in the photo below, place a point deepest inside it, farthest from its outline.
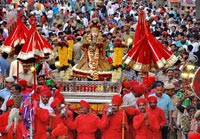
(16, 37)
(148, 53)
(35, 48)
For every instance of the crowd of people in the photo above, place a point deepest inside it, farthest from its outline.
(160, 105)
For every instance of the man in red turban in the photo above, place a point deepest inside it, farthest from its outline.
(125, 87)
(46, 98)
(158, 113)
(15, 127)
(117, 120)
(148, 82)
(136, 91)
(86, 123)
(131, 111)
(41, 119)
(4, 118)
(59, 116)
(144, 123)
(23, 83)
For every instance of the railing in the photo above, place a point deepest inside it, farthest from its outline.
(91, 91)
(92, 86)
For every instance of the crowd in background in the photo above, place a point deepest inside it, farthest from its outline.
(175, 26)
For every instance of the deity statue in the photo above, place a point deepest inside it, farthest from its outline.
(93, 64)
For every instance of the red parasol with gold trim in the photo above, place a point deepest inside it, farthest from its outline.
(35, 48)
(16, 38)
(148, 53)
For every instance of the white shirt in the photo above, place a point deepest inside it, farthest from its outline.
(50, 14)
(3, 106)
(130, 99)
(5, 33)
(110, 11)
(62, 7)
(83, 9)
(196, 46)
(47, 106)
(13, 68)
(85, 21)
(45, 30)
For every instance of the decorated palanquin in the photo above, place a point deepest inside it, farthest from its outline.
(94, 78)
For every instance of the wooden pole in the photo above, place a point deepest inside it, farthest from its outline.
(34, 77)
(17, 71)
(123, 121)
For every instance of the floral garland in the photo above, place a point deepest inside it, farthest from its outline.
(70, 49)
(118, 53)
(70, 41)
(93, 61)
(63, 56)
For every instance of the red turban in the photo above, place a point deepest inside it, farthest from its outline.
(117, 100)
(84, 104)
(45, 91)
(35, 96)
(194, 136)
(149, 80)
(141, 100)
(126, 85)
(132, 84)
(23, 83)
(61, 98)
(55, 102)
(10, 102)
(139, 89)
(131, 111)
(152, 99)
(60, 130)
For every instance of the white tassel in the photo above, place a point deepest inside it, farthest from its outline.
(13, 118)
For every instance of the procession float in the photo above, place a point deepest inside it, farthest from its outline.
(95, 77)
(92, 78)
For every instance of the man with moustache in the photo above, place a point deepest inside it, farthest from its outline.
(59, 116)
(160, 116)
(117, 120)
(41, 119)
(164, 102)
(46, 98)
(86, 123)
(144, 123)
